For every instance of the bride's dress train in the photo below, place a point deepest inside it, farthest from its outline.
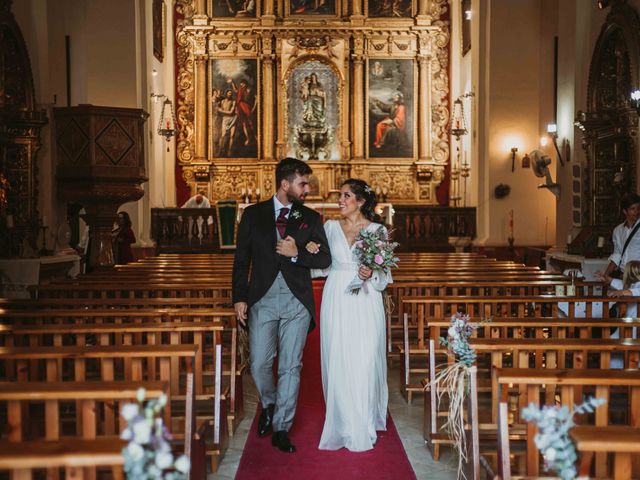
(354, 366)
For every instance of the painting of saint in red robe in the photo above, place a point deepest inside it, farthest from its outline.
(390, 87)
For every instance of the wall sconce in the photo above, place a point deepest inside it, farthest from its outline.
(552, 130)
(167, 123)
(635, 100)
(514, 150)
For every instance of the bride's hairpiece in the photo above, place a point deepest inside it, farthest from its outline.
(368, 189)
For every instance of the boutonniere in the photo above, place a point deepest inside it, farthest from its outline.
(296, 214)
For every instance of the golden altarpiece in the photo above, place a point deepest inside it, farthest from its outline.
(355, 87)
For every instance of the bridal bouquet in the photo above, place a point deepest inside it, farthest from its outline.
(375, 251)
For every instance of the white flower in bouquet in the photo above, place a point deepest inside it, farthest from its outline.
(129, 411)
(141, 432)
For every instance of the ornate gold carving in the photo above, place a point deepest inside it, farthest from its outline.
(398, 184)
(230, 184)
(298, 40)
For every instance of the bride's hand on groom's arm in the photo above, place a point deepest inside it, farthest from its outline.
(364, 273)
(312, 247)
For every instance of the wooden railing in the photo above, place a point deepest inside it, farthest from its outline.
(185, 230)
(428, 228)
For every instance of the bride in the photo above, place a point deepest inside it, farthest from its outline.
(352, 330)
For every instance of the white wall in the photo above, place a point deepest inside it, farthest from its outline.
(111, 64)
(511, 71)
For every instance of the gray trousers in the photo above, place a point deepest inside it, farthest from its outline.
(278, 322)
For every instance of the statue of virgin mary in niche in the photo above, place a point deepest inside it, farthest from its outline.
(314, 101)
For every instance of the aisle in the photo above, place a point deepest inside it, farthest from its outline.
(260, 460)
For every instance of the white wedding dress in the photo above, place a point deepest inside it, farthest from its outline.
(352, 337)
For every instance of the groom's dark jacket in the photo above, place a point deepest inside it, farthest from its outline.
(256, 251)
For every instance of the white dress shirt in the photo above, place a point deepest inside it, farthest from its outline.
(620, 235)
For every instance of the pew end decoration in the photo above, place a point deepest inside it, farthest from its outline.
(148, 454)
(453, 381)
(553, 441)
(374, 250)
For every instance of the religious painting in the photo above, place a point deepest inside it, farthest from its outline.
(313, 112)
(311, 7)
(158, 19)
(389, 8)
(234, 108)
(234, 8)
(391, 106)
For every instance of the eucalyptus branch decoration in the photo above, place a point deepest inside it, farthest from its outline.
(553, 439)
(452, 381)
(148, 455)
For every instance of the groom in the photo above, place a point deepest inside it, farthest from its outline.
(276, 303)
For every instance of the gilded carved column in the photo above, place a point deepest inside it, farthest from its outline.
(357, 105)
(200, 17)
(356, 8)
(268, 8)
(424, 107)
(423, 17)
(267, 98)
(200, 99)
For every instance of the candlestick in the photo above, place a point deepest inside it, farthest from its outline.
(600, 242)
(9, 221)
(569, 239)
(258, 191)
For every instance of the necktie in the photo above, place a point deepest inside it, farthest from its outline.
(281, 221)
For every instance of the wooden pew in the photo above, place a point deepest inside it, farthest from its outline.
(140, 356)
(569, 386)
(73, 454)
(125, 327)
(94, 436)
(521, 352)
(623, 442)
(424, 309)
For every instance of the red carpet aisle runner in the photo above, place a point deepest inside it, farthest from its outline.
(260, 460)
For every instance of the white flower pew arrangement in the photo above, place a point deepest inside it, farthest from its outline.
(453, 380)
(375, 251)
(148, 454)
(553, 439)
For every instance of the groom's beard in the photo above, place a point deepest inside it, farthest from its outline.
(293, 198)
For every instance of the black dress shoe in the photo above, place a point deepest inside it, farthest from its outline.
(264, 423)
(281, 440)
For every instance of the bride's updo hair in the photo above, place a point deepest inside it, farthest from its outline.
(363, 191)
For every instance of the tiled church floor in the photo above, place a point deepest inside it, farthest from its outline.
(407, 418)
